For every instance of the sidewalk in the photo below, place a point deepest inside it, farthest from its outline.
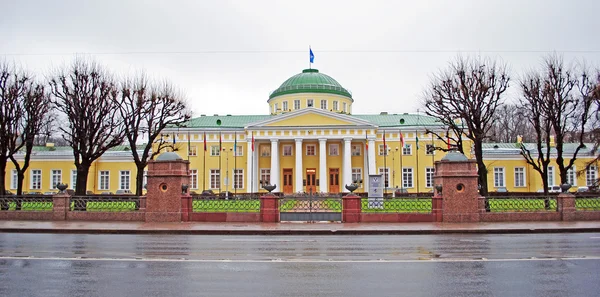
(200, 228)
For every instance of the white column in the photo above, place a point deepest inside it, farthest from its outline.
(275, 165)
(346, 165)
(365, 171)
(256, 169)
(372, 165)
(250, 173)
(299, 186)
(323, 185)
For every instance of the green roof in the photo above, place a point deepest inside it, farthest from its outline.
(227, 121)
(398, 120)
(381, 120)
(310, 81)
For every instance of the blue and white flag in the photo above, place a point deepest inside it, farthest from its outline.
(312, 56)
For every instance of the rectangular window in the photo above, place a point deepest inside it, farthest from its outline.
(193, 151)
(429, 149)
(357, 175)
(265, 176)
(334, 149)
(194, 178)
(214, 150)
(429, 171)
(323, 104)
(36, 179)
(591, 175)
(356, 149)
(55, 178)
(498, 177)
(73, 179)
(386, 175)
(407, 177)
(335, 105)
(238, 151)
(238, 178)
(344, 105)
(287, 150)
(13, 179)
(571, 180)
(285, 106)
(104, 180)
(550, 175)
(124, 180)
(309, 103)
(265, 150)
(311, 150)
(407, 149)
(215, 179)
(519, 177)
(296, 104)
(276, 107)
(383, 151)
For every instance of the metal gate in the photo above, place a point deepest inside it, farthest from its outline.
(311, 208)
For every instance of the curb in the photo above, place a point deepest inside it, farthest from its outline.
(299, 232)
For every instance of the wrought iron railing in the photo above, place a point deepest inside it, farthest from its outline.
(26, 203)
(310, 203)
(587, 203)
(521, 204)
(105, 203)
(234, 204)
(396, 205)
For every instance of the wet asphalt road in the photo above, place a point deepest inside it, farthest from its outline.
(427, 265)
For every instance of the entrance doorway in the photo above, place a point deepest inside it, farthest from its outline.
(311, 185)
(334, 180)
(288, 182)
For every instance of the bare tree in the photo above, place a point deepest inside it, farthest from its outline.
(12, 85)
(146, 110)
(509, 123)
(470, 90)
(87, 96)
(532, 102)
(35, 106)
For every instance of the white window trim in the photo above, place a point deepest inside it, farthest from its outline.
(503, 177)
(285, 106)
(412, 178)
(321, 105)
(524, 177)
(291, 148)
(336, 106)
(338, 149)
(53, 187)
(359, 150)
(121, 175)
(100, 180)
(260, 172)
(212, 151)
(432, 175)
(31, 179)
(359, 172)
(14, 179)
(310, 103)
(574, 169)
(210, 175)
(551, 182)
(314, 148)
(242, 178)
(297, 106)
(409, 147)
(588, 180)
(194, 179)
(73, 178)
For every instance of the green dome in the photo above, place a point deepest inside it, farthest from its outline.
(310, 81)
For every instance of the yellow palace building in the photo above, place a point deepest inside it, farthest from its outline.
(310, 141)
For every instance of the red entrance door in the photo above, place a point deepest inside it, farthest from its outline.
(311, 185)
(334, 180)
(288, 182)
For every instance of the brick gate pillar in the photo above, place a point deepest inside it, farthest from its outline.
(456, 181)
(165, 198)
(351, 208)
(269, 208)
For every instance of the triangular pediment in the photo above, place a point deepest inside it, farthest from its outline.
(312, 117)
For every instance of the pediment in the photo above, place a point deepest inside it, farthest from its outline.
(312, 117)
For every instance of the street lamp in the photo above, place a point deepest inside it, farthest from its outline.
(227, 172)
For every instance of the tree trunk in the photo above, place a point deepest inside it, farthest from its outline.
(481, 172)
(4, 205)
(82, 176)
(20, 179)
(139, 179)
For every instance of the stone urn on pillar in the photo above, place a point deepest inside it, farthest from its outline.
(456, 184)
(168, 177)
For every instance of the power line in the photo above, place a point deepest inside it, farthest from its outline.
(229, 52)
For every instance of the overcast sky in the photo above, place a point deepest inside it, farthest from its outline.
(227, 56)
